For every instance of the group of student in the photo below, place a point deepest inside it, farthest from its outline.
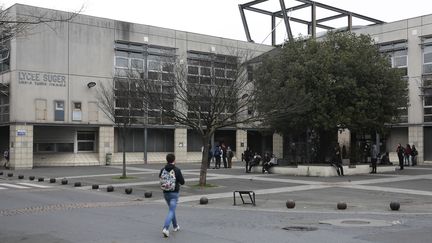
(220, 154)
(254, 159)
(407, 155)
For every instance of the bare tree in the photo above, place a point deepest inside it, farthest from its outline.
(203, 91)
(122, 104)
(208, 92)
(14, 25)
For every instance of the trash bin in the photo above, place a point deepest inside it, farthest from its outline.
(108, 158)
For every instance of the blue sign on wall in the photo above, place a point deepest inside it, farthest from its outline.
(21, 132)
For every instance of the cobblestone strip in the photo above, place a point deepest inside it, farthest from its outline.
(63, 207)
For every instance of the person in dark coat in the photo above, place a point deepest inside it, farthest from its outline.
(224, 155)
(400, 152)
(255, 161)
(218, 156)
(374, 158)
(171, 197)
(337, 160)
(247, 154)
(414, 154)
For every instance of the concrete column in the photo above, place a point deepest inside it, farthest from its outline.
(241, 142)
(21, 146)
(344, 138)
(415, 136)
(106, 143)
(277, 145)
(180, 144)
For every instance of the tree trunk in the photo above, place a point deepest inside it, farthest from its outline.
(204, 162)
(124, 152)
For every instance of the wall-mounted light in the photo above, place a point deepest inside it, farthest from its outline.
(91, 84)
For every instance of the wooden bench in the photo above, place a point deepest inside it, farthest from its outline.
(251, 195)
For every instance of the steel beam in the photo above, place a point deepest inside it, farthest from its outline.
(293, 8)
(339, 10)
(350, 22)
(253, 3)
(273, 27)
(286, 20)
(258, 10)
(313, 20)
(331, 18)
(302, 21)
(245, 25)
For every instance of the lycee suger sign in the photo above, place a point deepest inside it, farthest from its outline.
(41, 79)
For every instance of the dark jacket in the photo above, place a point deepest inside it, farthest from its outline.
(179, 176)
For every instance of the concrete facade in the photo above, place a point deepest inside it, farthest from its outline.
(412, 32)
(49, 93)
(54, 118)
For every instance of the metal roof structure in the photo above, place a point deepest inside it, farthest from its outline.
(312, 24)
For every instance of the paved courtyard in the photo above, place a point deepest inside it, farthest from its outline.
(32, 211)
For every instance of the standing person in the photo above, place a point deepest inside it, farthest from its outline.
(400, 152)
(217, 155)
(407, 154)
(374, 158)
(170, 179)
(337, 160)
(247, 158)
(224, 155)
(6, 156)
(414, 154)
(230, 155)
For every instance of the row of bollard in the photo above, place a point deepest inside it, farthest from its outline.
(343, 205)
(64, 181)
(203, 200)
(291, 204)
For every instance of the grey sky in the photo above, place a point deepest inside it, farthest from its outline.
(221, 17)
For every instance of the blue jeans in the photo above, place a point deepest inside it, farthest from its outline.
(171, 199)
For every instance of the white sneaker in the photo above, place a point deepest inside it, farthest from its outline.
(177, 228)
(165, 232)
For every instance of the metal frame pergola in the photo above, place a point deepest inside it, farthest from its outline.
(312, 24)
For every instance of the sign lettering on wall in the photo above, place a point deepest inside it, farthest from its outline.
(21, 132)
(41, 79)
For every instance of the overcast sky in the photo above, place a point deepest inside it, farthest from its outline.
(222, 18)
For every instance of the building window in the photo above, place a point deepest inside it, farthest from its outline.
(398, 54)
(76, 111)
(427, 60)
(208, 72)
(4, 103)
(53, 147)
(86, 141)
(155, 64)
(58, 110)
(5, 57)
(427, 108)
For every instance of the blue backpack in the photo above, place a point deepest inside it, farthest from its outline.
(168, 180)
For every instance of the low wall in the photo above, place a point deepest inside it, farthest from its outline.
(323, 170)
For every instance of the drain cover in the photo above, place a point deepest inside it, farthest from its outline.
(357, 222)
(300, 228)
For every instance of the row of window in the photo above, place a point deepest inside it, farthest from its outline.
(59, 110)
(398, 55)
(154, 64)
(86, 142)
